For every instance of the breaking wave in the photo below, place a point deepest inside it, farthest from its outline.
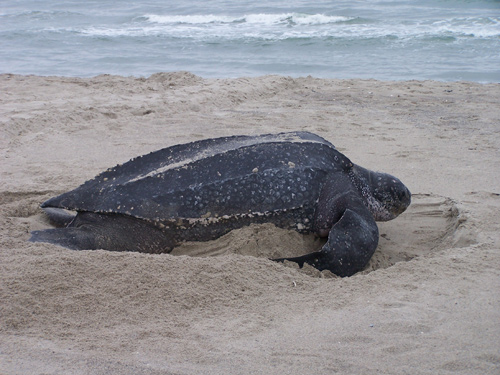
(295, 25)
(256, 19)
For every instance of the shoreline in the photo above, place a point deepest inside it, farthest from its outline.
(428, 302)
(309, 76)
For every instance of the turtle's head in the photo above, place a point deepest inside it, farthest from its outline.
(384, 195)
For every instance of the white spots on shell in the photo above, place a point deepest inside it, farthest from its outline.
(191, 222)
(300, 226)
(206, 220)
(270, 186)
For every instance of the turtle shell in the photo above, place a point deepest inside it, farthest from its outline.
(221, 177)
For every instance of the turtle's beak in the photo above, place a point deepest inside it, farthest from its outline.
(404, 201)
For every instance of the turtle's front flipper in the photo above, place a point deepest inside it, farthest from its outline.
(351, 243)
(351, 228)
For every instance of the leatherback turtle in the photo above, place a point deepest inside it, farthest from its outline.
(201, 190)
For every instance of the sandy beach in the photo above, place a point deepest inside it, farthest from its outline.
(428, 303)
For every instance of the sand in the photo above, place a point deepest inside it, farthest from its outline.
(428, 303)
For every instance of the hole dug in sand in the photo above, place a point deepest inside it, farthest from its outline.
(431, 223)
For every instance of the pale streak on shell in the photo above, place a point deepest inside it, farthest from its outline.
(229, 146)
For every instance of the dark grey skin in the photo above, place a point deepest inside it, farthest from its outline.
(201, 190)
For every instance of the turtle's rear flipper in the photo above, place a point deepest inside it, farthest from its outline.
(58, 217)
(91, 231)
(71, 238)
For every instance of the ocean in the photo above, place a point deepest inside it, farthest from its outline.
(446, 40)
